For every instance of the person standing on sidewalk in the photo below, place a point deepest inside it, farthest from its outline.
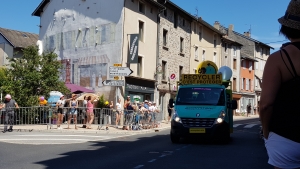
(73, 111)
(279, 103)
(9, 105)
(249, 108)
(118, 112)
(90, 112)
(60, 115)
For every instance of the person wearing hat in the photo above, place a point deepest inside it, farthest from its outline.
(9, 105)
(43, 101)
(279, 103)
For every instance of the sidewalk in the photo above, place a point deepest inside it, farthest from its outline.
(95, 128)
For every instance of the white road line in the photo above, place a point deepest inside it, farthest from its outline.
(152, 160)
(60, 136)
(139, 166)
(42, 139)
(162, 156)
(235, 125)
(178, 149)
(250, 125)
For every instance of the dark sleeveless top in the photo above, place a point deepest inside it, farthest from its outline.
(285, 118)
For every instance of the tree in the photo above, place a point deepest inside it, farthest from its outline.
(33, 75)
(101, 102)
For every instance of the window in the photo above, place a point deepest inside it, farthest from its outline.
(225, 47)
(196, 53)
(234, 51)
(256, 82)
(180, 71)
(261, 52)
(165, 13)
(175, 20)
(247, 84)
(234, 84)
(195, 28)
(141, 31)
(201, 96)
(250, 65)
(164, 70)
(215, 57)
(165, 37)
(139, 66)
(183, 22)
(141, 7)
(200, 33)
(181, 45)
(256, 65)
(151, 10)
(244, 64)
(234, 64)
(203, 55)
(215, 41)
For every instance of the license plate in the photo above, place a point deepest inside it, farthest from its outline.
(199, 130)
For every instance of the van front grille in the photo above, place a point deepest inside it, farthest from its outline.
(198, 122)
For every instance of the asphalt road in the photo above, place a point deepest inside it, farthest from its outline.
(145, 151)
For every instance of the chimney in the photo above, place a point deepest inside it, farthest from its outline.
(247, 34)
(217, 25)
(230, 28)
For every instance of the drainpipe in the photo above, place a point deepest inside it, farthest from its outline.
(157, 51)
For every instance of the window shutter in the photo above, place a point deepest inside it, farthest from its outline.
(250, 65)
(247, 84)
(244, 64)
(242, 82)
(256, 66)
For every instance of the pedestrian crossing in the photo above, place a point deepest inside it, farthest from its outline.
(57, 138)
(246, 126)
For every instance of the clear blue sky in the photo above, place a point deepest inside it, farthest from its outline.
(262, 15)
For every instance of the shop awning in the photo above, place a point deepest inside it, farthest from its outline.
(91, 60)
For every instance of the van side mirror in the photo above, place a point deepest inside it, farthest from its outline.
(233, 104)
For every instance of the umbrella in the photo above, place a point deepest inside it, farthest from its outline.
(76, 89)
(94, 96)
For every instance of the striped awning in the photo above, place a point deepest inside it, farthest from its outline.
(91, 60)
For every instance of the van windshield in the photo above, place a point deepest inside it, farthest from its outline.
(201, 96)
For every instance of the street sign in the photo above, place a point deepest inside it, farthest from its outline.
(117, 64)
(120, 71)
(116, 77)
(173, 76)
(113, 83)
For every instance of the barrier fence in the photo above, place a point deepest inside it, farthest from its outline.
(52, 116)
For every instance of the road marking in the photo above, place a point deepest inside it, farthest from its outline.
(162, 155)
(60, 136)
(250, 125)
(235, 125)
(139, 166)
(178, 149)
(42, 139)
(152, 160)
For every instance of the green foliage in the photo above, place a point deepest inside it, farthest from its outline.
(33, 75)
(101, 102)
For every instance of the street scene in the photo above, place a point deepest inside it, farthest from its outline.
(38, 149)
(144, 84)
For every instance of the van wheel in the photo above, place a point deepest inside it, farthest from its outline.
(174, 139)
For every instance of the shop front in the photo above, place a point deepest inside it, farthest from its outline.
(236, 97)
(139, 89)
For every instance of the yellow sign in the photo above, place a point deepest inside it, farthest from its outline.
(117, 65)
(186, 79)
(207, 67)
(116, 77)
(197, 130)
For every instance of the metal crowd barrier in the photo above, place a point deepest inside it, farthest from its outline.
(46, 115)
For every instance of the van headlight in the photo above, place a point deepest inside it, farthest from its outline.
(176, 118)
(221, 117)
